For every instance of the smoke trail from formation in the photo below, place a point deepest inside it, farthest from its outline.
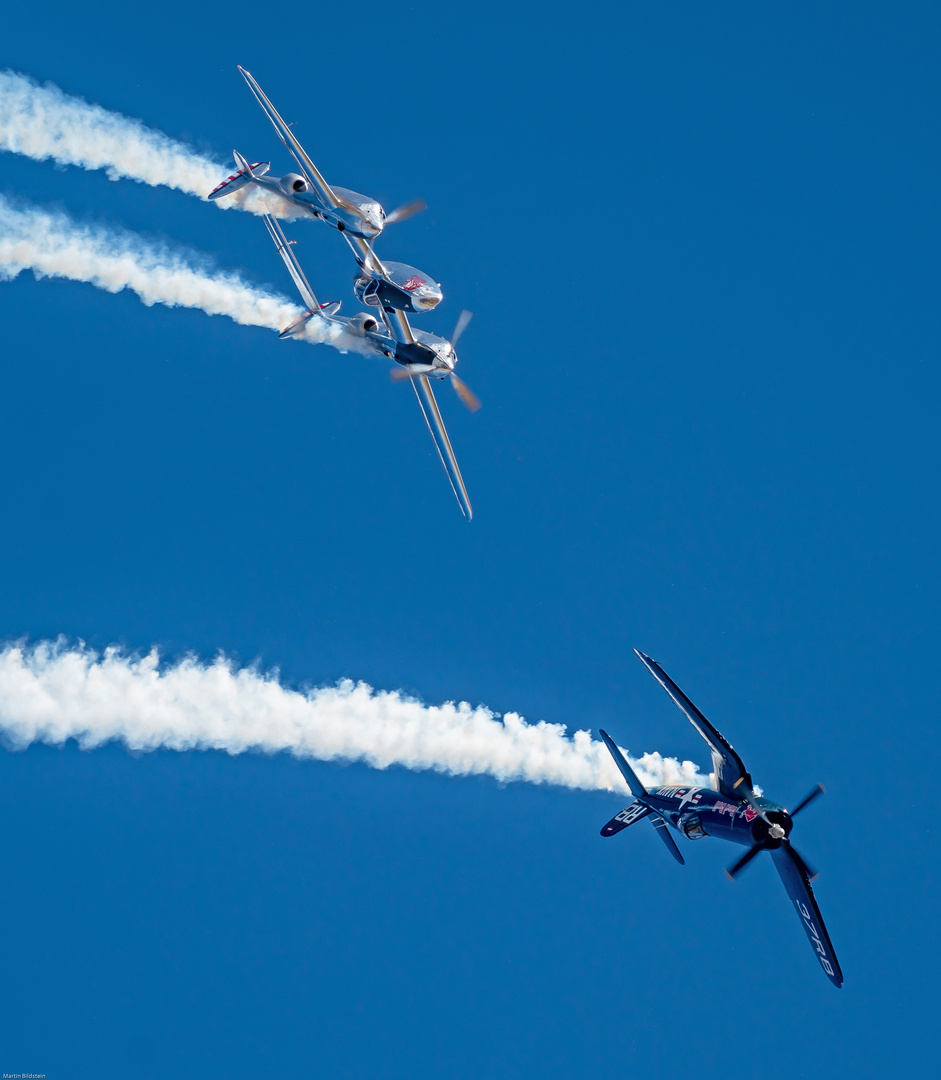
(53, 691)
(53, 245)
(43, 123)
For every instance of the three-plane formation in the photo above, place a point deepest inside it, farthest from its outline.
(733, 811)
(391, 289)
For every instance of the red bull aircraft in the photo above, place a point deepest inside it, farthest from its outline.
(733, 811)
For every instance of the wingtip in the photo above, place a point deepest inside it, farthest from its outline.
(643, 657)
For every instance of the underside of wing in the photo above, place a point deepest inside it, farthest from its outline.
(429, 408)
(791, 868)
(307, 167)
(729, 768)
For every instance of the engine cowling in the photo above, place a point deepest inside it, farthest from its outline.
(363, 324)
(293, 183)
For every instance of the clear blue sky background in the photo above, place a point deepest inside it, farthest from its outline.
(701, 246)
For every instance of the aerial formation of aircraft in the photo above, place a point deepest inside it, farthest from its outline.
(732, 811)
(393, 289)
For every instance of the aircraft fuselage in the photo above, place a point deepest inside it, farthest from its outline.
(698, 812)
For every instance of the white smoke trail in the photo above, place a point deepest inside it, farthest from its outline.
(53, 691)
(43, 123)
(52, 245)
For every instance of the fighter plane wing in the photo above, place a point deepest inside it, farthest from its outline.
(790, 867)
(290, 261)
(307, 167)
(429, 408)
(729, 768)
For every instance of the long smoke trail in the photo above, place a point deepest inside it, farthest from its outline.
(43, 123)
(53, 245)
(53, 691)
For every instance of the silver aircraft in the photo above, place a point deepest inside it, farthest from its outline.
(358, 217)
(342, 209)
(421, 356)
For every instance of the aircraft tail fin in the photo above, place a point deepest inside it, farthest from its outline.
(245, 175)
(633, 780)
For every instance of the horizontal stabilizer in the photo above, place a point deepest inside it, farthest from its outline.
(664, 832)
(298, 326)
(633, 781)
(627, 816)
(239, 179)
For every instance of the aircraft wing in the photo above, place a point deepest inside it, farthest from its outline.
(429, 408)
(307, 167)
(790, 867)
(728, 766)
(290, 261)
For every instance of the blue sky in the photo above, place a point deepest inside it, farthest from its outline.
(700, 248)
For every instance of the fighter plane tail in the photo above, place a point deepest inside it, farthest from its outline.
(245, 175)
(297, 327)
(627, 816)
(633, 780)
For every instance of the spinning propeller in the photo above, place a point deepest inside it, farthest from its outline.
(463, 391)
(777, 836)
(405, 211)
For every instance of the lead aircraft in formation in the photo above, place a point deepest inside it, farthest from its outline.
(733, 811)
(392, 289)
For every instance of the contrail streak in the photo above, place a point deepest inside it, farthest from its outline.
(43, 123)
(53, 245)
(54, 691)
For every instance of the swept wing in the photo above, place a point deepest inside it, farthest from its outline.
(307, 167)
(730, 771)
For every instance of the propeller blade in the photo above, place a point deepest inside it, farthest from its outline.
(749, 797)
(818, 790)
(464, 392)
(461, 325)
(736, 868)
(801, 862)
(400, 374)
(407, 210)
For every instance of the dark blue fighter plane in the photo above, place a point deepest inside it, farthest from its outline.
(732, 812)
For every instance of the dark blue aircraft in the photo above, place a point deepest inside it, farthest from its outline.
(732, 812)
